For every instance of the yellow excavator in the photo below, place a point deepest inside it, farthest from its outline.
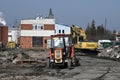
(79, 39)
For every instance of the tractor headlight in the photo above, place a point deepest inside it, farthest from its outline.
(64, 53)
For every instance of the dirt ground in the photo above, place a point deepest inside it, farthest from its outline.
(91, 68)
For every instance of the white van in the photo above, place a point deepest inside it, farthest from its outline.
(102, 44)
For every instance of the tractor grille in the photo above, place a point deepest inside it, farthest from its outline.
(58, 54)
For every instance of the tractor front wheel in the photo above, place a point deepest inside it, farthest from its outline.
(69, 63)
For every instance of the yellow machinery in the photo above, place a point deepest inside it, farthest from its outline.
(11, 45)
(1, 45)
(80, 41)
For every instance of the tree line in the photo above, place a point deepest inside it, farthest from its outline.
(94, 32)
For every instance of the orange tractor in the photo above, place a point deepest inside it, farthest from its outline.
(62, 51)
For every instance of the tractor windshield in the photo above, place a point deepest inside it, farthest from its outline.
(57, 42)
(60, 42)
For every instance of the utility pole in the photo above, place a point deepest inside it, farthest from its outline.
(105, 23)
(105, 28)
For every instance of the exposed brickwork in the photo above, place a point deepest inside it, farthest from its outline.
(26, 42)
(26, 26)
(45, 41)
(49, 27)
(4, 34)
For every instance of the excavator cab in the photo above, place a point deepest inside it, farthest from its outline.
(61, 51)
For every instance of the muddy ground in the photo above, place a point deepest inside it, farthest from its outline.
(91, 68)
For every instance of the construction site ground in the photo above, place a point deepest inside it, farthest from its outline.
(19, 64)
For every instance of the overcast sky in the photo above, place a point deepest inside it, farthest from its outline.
(68, 12)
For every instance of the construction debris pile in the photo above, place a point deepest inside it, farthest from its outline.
(19, 64)
(22, 56)
(110, 52)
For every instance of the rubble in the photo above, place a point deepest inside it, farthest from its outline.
(22, 56)
(110, 52)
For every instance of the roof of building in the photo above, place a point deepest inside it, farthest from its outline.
(38, 21)
(60, 25)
